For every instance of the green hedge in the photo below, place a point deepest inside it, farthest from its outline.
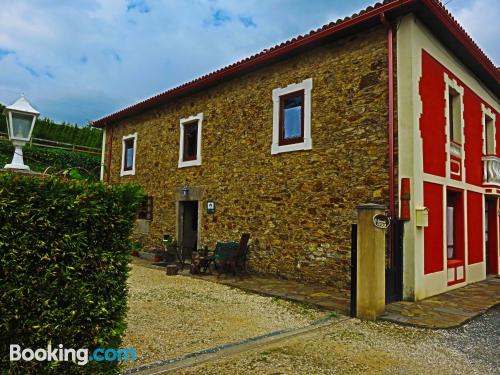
(48, 129)
(39, 158)
(64, 253)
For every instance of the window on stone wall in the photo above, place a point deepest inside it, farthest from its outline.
(190, 141)
(145, 211)
(129, 155)
(129, 145)
(292, 117)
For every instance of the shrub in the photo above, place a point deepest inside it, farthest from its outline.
(64, 253)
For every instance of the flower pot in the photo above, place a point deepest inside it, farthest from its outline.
(157, 258)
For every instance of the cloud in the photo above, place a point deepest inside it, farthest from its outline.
(218, 18)
(83, 59)
(138, 5)
(480, 18)
(5, 52)
(247, 21)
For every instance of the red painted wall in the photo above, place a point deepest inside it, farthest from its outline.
(432, 127)
(432, 119)
(475, 234)
(497, 129)
(433, 234)
(433, 123)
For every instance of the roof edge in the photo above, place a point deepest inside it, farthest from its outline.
(302, 41)
(257, 59)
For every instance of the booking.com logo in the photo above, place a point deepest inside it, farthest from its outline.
(79, 356)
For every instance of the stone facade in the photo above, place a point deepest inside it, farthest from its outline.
(297, 206)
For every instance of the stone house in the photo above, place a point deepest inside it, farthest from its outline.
(286, 143)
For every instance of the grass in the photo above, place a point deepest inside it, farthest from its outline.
(57, 160)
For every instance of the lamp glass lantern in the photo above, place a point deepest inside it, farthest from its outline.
(21, 118)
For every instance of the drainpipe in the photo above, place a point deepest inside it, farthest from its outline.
(103, 154)
(390, 127)
(110, 152)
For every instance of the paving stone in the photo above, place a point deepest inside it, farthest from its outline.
(447, 310)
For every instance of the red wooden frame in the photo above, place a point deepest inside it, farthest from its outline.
(185, 155)
(288, 141)
(128, 144)
(455, 198)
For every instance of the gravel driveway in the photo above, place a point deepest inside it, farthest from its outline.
(479, 340)
(174, 315)
(356, 347)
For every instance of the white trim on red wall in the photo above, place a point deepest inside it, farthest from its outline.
(486, 111)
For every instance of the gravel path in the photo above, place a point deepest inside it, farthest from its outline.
(174, 315)
(479, 340)
(356, 347)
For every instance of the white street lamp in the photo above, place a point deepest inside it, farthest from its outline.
(21, 117)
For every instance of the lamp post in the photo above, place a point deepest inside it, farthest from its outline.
(21, 117)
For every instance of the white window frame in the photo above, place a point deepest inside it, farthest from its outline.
(487, 112)
(190, 163)
(306, 85)
(130, 172)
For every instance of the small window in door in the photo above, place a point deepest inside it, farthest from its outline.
(450, 232)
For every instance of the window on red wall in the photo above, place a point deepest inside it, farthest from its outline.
(489, 136)
(454, 226)
(455, 113)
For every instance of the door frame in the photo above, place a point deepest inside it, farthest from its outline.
(491, 251)
(194, 193)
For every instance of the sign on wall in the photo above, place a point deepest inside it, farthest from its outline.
(210, 207)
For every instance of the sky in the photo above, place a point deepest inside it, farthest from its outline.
(79, 60)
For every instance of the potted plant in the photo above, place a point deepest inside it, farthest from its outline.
(135, 249)
(159, 255)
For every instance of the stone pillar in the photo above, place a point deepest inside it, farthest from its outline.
(370, 275)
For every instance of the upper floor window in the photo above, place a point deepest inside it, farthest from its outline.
(190, 141)
(488, 130)
(129, 146)
(292, 117)
(454, 111)
(454, 94)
